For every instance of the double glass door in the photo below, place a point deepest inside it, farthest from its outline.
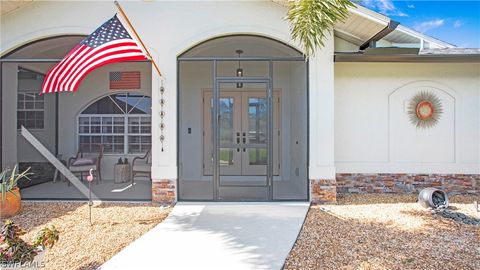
(247, 139)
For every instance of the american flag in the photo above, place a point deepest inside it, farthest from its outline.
(110, 43)
(125, 80)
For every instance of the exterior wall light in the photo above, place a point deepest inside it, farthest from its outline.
(239, 69)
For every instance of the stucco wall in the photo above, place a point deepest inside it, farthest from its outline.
(170, 28)
(372, 130)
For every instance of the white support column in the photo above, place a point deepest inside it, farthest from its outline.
(9, 114)
(164, 163)
(321, 106)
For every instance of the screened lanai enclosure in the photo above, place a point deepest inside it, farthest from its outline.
(106, 121)
(243, 121)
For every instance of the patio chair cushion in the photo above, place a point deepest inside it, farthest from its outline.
(85, 168)
(84, 161)
(142, 168)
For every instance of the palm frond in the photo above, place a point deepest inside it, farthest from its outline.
(312, 20)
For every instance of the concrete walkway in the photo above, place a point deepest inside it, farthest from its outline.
(217, 236)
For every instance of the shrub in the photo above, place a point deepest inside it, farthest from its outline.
(15, 250)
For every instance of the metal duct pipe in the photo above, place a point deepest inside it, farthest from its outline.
(433, 198)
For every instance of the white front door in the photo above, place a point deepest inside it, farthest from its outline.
(242, 132)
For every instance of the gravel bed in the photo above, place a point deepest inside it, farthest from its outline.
(85, 246)
(386, 232)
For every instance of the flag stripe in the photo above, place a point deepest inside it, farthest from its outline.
(51, 73)
(104, 61)
(85, 50)
(109, 43)
(60, 68)
(78, 51)
(94, 55)
(85, 57)
(119, 52)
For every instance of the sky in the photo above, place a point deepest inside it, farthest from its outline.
(456, 22)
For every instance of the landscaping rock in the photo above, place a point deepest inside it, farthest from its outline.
(81, 245)
(379, 231)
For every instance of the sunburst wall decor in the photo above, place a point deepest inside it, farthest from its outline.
(424, 109)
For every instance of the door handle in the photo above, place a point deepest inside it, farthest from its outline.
(244, 140)
(238, 140)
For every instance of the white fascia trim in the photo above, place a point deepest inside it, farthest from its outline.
(370, 14)
(384, 20)
(421, 36)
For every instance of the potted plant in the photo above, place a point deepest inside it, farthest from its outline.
(10, 200)
(15, 252)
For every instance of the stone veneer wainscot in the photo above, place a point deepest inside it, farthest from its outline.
(164, 191)
(407, 183)
(326, 191)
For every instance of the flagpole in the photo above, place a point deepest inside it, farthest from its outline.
(137, 36)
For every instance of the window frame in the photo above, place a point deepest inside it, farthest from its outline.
(34, 109)
(126, 115)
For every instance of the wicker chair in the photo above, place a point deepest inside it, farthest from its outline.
(142, 166)
(89, 156)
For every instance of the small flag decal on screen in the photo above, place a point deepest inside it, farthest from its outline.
(125, 80)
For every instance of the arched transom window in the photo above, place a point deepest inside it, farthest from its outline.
(121, 122)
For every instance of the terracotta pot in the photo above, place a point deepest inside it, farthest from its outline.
(11, 205)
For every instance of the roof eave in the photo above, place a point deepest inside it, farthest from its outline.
(419, 35)
(384, 20)
(406, 58)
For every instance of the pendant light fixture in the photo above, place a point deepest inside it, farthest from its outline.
(239, 69)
